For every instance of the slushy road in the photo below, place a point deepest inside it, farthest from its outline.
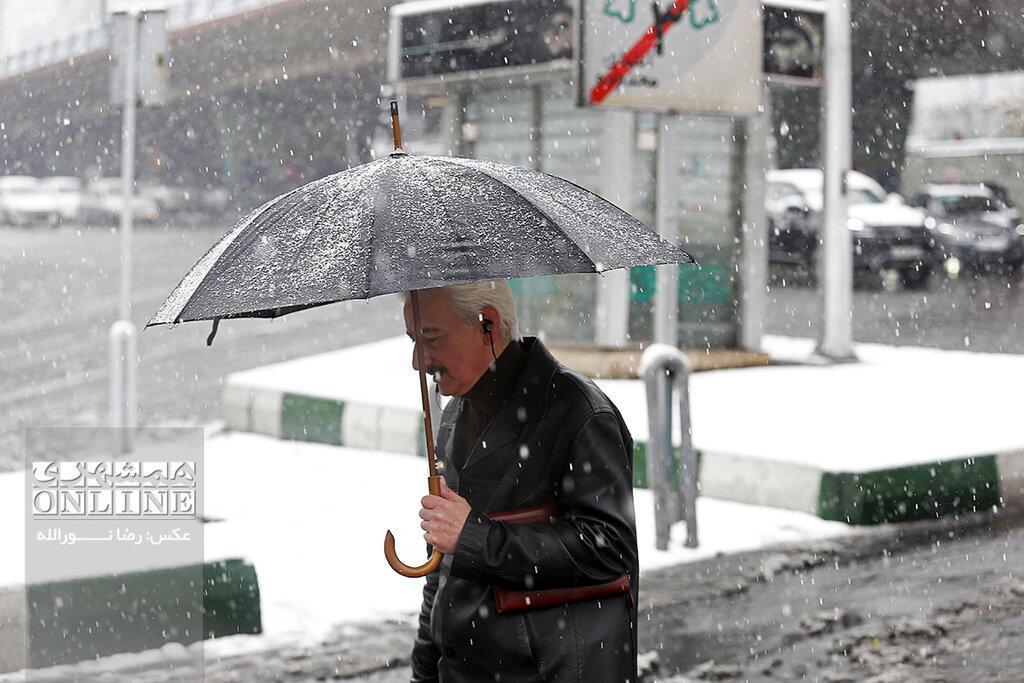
(59, 294)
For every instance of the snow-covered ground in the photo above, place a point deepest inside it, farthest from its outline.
(311, 518)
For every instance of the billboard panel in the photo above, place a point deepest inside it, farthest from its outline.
(794, 43)
(681, 55)
(474, 38)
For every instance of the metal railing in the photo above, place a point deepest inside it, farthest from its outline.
(664, 368)
(180, 13)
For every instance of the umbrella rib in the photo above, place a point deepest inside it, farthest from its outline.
(543, 214)
(444, 208)
(321, 213)
(211, 257)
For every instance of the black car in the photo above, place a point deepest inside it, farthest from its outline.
(972, 227)
(885, 233)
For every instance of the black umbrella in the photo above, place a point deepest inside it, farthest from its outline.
(405, 223)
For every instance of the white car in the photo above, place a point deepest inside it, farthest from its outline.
(23, 202)
(66, 194)
(102, 202)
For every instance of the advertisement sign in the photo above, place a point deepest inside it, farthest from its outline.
(678, 55)
(147, 31)
(474, 38)
(794, 43)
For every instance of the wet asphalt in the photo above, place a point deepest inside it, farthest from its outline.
(59, 294)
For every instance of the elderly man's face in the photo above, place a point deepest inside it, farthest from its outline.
(455, 352)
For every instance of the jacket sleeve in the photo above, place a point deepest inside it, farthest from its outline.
(424, 652)
(592, 541)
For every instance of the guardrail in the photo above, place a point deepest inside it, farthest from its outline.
(663, 368)
(180, 13)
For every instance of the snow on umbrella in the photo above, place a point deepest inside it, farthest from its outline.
(405, 223)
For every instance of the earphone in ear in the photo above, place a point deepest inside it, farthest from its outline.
(488, 330)
(488, 325)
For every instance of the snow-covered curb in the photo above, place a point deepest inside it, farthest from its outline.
(862, 443)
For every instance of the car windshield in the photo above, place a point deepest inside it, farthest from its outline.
(863, 195)
(779, 191)
(954, 205)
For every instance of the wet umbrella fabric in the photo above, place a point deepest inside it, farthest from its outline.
(408, 222)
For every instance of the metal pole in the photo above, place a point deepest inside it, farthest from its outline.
(666, 298)
(611, 317)
(536, 132)
(754, 245)
(454, 118)
(128, 164)
(122, 333)
(836, 262)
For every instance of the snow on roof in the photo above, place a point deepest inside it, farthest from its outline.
(965, 148)
(967, 107)
(813, 178)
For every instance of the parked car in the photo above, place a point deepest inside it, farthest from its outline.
(973, 225)
(102, 202)
(66, 194)
(23, 202)
(169, 199)
(885, 232)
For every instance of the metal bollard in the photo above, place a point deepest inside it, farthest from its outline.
(662, 368)
(123, 360)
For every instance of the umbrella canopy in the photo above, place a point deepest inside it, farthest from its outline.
(403, 223)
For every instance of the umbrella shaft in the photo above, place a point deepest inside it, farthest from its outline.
(428, 430)
(396, 126)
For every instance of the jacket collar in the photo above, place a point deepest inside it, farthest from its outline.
(528, 402)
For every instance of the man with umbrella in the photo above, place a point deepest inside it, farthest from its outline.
(537, 549)
(548, 597)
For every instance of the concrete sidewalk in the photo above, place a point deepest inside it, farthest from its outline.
(906, 433)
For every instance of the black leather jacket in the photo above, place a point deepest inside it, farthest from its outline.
(558, 439)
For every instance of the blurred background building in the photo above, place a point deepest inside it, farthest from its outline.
(266, 95)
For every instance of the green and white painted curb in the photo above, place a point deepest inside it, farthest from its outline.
(898, 494)
(323, 420)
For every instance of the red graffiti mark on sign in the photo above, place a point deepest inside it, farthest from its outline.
(652, 36)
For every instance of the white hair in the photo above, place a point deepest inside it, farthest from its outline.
(471, 299)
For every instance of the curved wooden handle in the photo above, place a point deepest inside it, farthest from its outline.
(434, 488)
(405, 570)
